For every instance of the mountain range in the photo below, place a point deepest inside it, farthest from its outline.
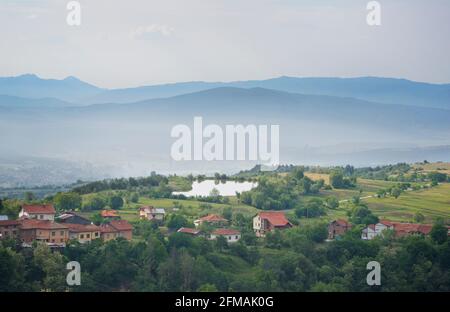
(323, 121)
(382, 90)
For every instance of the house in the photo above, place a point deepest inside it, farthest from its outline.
(9, 229)
(212, 219)
(72, 218)
(115, 229)
(83, 233)
(107, 232)
(40, 212)
(189, 231)
(109, 214)
(337, 228)
(400, 229)
(46, 231)
(152, 213)
(230, 235)
(267, 221)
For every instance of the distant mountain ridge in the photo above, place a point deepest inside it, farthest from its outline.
(374, 89)
(30, 86)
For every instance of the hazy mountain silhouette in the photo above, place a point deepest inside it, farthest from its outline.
(382, 90)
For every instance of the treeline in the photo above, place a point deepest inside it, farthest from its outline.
(121, 184)
(277, 192)
(296, 259)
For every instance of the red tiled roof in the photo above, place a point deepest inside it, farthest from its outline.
(226, 232)
(387, 222)
(106, 228)
(212, 218)
(83, 228)
(29, 224)
(188, 231)
(276, 218)
(109, 214)
(44, 209)
(121, 225)
(342, 222)
(9, 222)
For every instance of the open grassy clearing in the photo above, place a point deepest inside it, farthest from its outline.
(443, 167)
(432, 203)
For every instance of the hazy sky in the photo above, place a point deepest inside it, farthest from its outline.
(138, 42)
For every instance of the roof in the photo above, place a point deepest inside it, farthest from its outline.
(342, 222)
(401, 228)
(109, 214)
(151, 209)
(9, 222)
(107, 228)
(226, 232)
(30, 224)
(121, 225)
(387, 222)
(276, 218)
(44, 209)
(188, 231)
(83, 228)
(212, 218)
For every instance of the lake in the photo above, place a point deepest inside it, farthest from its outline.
(228, 188)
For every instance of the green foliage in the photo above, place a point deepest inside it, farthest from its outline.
(311, 209)
(176, 221)
(116, 202)
(281, 192)
(439, 232)
(67, 201)
(360, 214)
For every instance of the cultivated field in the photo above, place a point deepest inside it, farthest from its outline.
(432, 203)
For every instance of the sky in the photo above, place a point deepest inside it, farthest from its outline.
(142, 42)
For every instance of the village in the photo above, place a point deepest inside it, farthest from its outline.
(40, 223)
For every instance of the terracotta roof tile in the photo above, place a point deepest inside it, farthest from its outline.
(45, 209)
(226, 232)
(276, 218)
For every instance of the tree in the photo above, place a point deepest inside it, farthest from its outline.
(116, 202)
(362, 215)
(419, 218)
(337, 179)
(227, 213)
(396, 192)
(332, 202)
(67, 201)
(439, 232)
(176, 221)
(95, 203)
(29, 196)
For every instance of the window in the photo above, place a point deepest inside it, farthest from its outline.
(53, 233)
(41, 216)
(96, 234)
(236, 237)
(14, 232)
(62, 233)
(81, 236)
(88, 235)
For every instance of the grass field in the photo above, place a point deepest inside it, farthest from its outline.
(189, 208)
(438, 166)
(432, 203)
